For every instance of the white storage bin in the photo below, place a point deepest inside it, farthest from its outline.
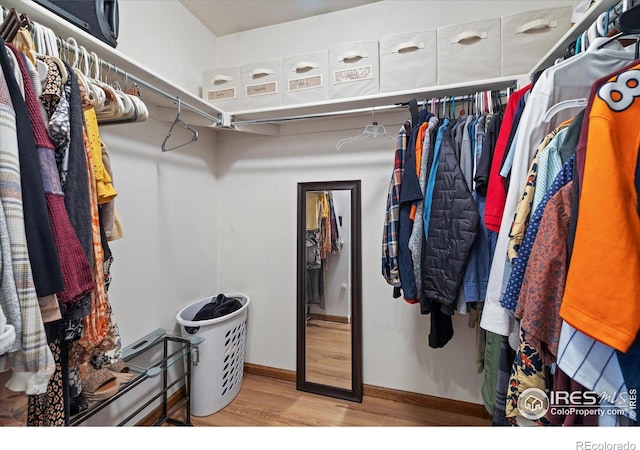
(262, 85)
(469, 52)
(217, 375)
(527, 37)
(306, 78)
(408, 61)
(354, 69)
(221, 88)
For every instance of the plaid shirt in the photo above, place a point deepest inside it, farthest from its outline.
(390, 233)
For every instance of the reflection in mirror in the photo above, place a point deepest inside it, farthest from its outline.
(329, 347)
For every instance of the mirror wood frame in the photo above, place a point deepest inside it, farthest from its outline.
(302, 384)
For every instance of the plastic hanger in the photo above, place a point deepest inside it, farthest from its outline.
(374, 130)
(555, 109)
(628, 24)
(178, 120)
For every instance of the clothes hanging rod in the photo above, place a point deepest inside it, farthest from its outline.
(374, 109)
(144, 84)
(317, 115)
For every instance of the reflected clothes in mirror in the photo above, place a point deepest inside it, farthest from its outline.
(323, 237)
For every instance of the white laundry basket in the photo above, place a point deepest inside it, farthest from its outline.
(217, 376)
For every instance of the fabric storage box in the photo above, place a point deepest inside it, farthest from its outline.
(354, 69)
(408, 61)
(221, 87)
(527, 37)
(306, 78)
(262, 85)
(469, 52)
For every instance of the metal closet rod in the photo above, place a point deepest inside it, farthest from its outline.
(502, 93)
(144, 84)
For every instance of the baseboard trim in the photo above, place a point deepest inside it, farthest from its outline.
(412, 398)
(329, 318)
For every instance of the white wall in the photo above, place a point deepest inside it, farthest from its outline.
(166, 38)
(257, 178)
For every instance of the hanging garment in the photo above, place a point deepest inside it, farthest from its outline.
(608, 201)
(410, 193)
(510, 299)
(74, 172)
(595, 366)
(507, 158)
(447, 245)
(43, 256)
(571, 79)
(495, 191)
(390, 269)
(32, 365)
(527, 372)
(416, 238)
(525, 204)
(544, 278)
(10, 315)
(76, 272)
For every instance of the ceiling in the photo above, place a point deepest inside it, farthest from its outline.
(224, 17)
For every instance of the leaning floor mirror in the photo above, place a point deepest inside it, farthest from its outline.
(329, 289)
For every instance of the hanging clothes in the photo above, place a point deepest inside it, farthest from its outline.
(571, 79)
(608, 201)
(390, 234)
(32, 365)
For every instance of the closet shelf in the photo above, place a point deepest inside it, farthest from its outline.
(158, 93)
(341, 106)
(589, 17)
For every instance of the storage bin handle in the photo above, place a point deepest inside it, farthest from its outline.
(353, 54)
(303, 66)
(221, 79)
(536, 25)
(257, 73)
(411, 45)
(466, 35)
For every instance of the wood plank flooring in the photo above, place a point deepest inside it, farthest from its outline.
(270, 402)
(329, 353)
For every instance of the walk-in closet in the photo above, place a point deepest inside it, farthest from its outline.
(416, 213)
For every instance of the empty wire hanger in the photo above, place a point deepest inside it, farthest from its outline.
(178, 120)
(374, 130)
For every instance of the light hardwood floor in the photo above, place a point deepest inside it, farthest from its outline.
(269, 398)
(329, 353)
(270, 402)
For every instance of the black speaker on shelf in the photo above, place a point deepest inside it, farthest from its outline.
(100, 18)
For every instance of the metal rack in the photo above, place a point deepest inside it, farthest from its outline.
(185, 348)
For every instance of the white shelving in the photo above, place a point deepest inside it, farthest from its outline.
(158, 93)
(373, 101)
(162, 93)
